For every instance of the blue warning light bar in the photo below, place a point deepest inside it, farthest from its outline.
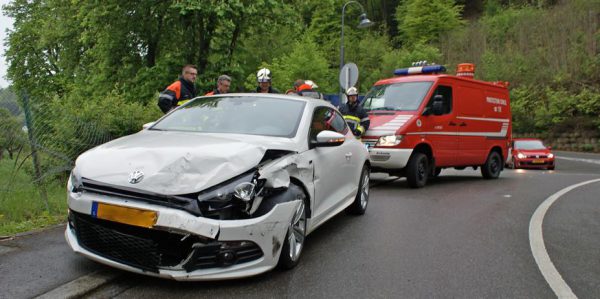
(416, 70)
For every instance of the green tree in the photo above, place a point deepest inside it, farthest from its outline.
(11, 136)
(305, 61)
(424, 21)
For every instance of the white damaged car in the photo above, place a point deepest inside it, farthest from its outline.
(222, 187)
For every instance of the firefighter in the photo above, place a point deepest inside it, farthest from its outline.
(263, 77)
(180, 91)
(354, 114)
(223, 84)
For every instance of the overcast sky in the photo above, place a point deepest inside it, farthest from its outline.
(5, 23)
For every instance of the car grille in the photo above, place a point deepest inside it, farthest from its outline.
(186, 203)
(219, 255)
(537, 156)
(142, 248)
(546, 162)
(150, 249)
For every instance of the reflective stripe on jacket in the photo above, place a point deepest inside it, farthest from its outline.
(356, 117)
(176, 94)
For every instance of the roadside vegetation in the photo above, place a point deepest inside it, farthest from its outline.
(83, 74)
(21, 208)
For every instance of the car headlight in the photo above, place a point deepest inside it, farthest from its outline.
(390, 140)
(74, 184)
(550, 155)
(241, 187)
(521, 156)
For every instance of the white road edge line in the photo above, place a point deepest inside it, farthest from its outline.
(538, 248)
(594, 161)
(81, 286)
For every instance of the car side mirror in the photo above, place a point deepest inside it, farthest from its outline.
(438, 105)
(148, 125)
(549, 147)
(328, 138)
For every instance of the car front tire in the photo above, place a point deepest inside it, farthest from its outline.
(417, 170)
(294, 239)
(359, 205)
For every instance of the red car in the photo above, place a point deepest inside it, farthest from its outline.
(530, 153)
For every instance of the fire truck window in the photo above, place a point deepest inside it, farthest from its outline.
(446, 92)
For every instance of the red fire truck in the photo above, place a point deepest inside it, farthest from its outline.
(423, 121)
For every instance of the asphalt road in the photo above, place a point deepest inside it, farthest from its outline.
(460, 236)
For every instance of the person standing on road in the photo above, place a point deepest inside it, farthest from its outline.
(180, 91)
(354, 114)
(223, 84)
(264, 82)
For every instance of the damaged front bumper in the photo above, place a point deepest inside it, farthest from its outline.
(177, 245)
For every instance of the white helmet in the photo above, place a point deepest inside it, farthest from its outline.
(263, 75)
(312, 84)
(352, 91)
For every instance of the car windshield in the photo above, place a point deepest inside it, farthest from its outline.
(529, 144)
(237, 115)
(406, 96)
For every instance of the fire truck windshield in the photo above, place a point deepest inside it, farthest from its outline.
(405, 96)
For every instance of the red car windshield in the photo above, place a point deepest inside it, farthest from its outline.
(529, 145)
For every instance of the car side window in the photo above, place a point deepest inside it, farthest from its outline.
(446, 92)
(338, 123)
(325, 118)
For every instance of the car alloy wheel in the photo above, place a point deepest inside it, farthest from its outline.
(364, 190)
(296, 233)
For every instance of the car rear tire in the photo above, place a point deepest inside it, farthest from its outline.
(551, 168)
(492, 167)
(359, 205)
(417, 170)
(294, 238)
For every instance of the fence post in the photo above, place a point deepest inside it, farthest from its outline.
(34, 154)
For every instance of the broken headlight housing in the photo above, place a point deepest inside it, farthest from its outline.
(74, 184)
(231, 199)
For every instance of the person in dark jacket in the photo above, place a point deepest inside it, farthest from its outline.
(264, 82)
(181, 91)
(223, 84)
(354, 114)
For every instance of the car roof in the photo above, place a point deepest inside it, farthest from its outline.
(432, 78)
(526, 139)
(313, 101)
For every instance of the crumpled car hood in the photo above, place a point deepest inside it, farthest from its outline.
(176, 162)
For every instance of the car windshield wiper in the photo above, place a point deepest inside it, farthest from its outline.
(384, 108)
(156, 129)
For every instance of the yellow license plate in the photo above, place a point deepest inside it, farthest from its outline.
(539, 161)
(126, 215)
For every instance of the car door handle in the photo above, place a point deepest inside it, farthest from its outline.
(348, 156)
(452, 124)
(463, 124)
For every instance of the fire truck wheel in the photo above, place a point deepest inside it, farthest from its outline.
(492, 167)
(417, 170)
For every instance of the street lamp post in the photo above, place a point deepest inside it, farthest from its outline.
(364, 23)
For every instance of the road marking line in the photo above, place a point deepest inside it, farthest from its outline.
(579, 159)
(81, 286)
(538, 248)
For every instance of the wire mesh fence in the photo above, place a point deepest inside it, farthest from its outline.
(38, 148)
